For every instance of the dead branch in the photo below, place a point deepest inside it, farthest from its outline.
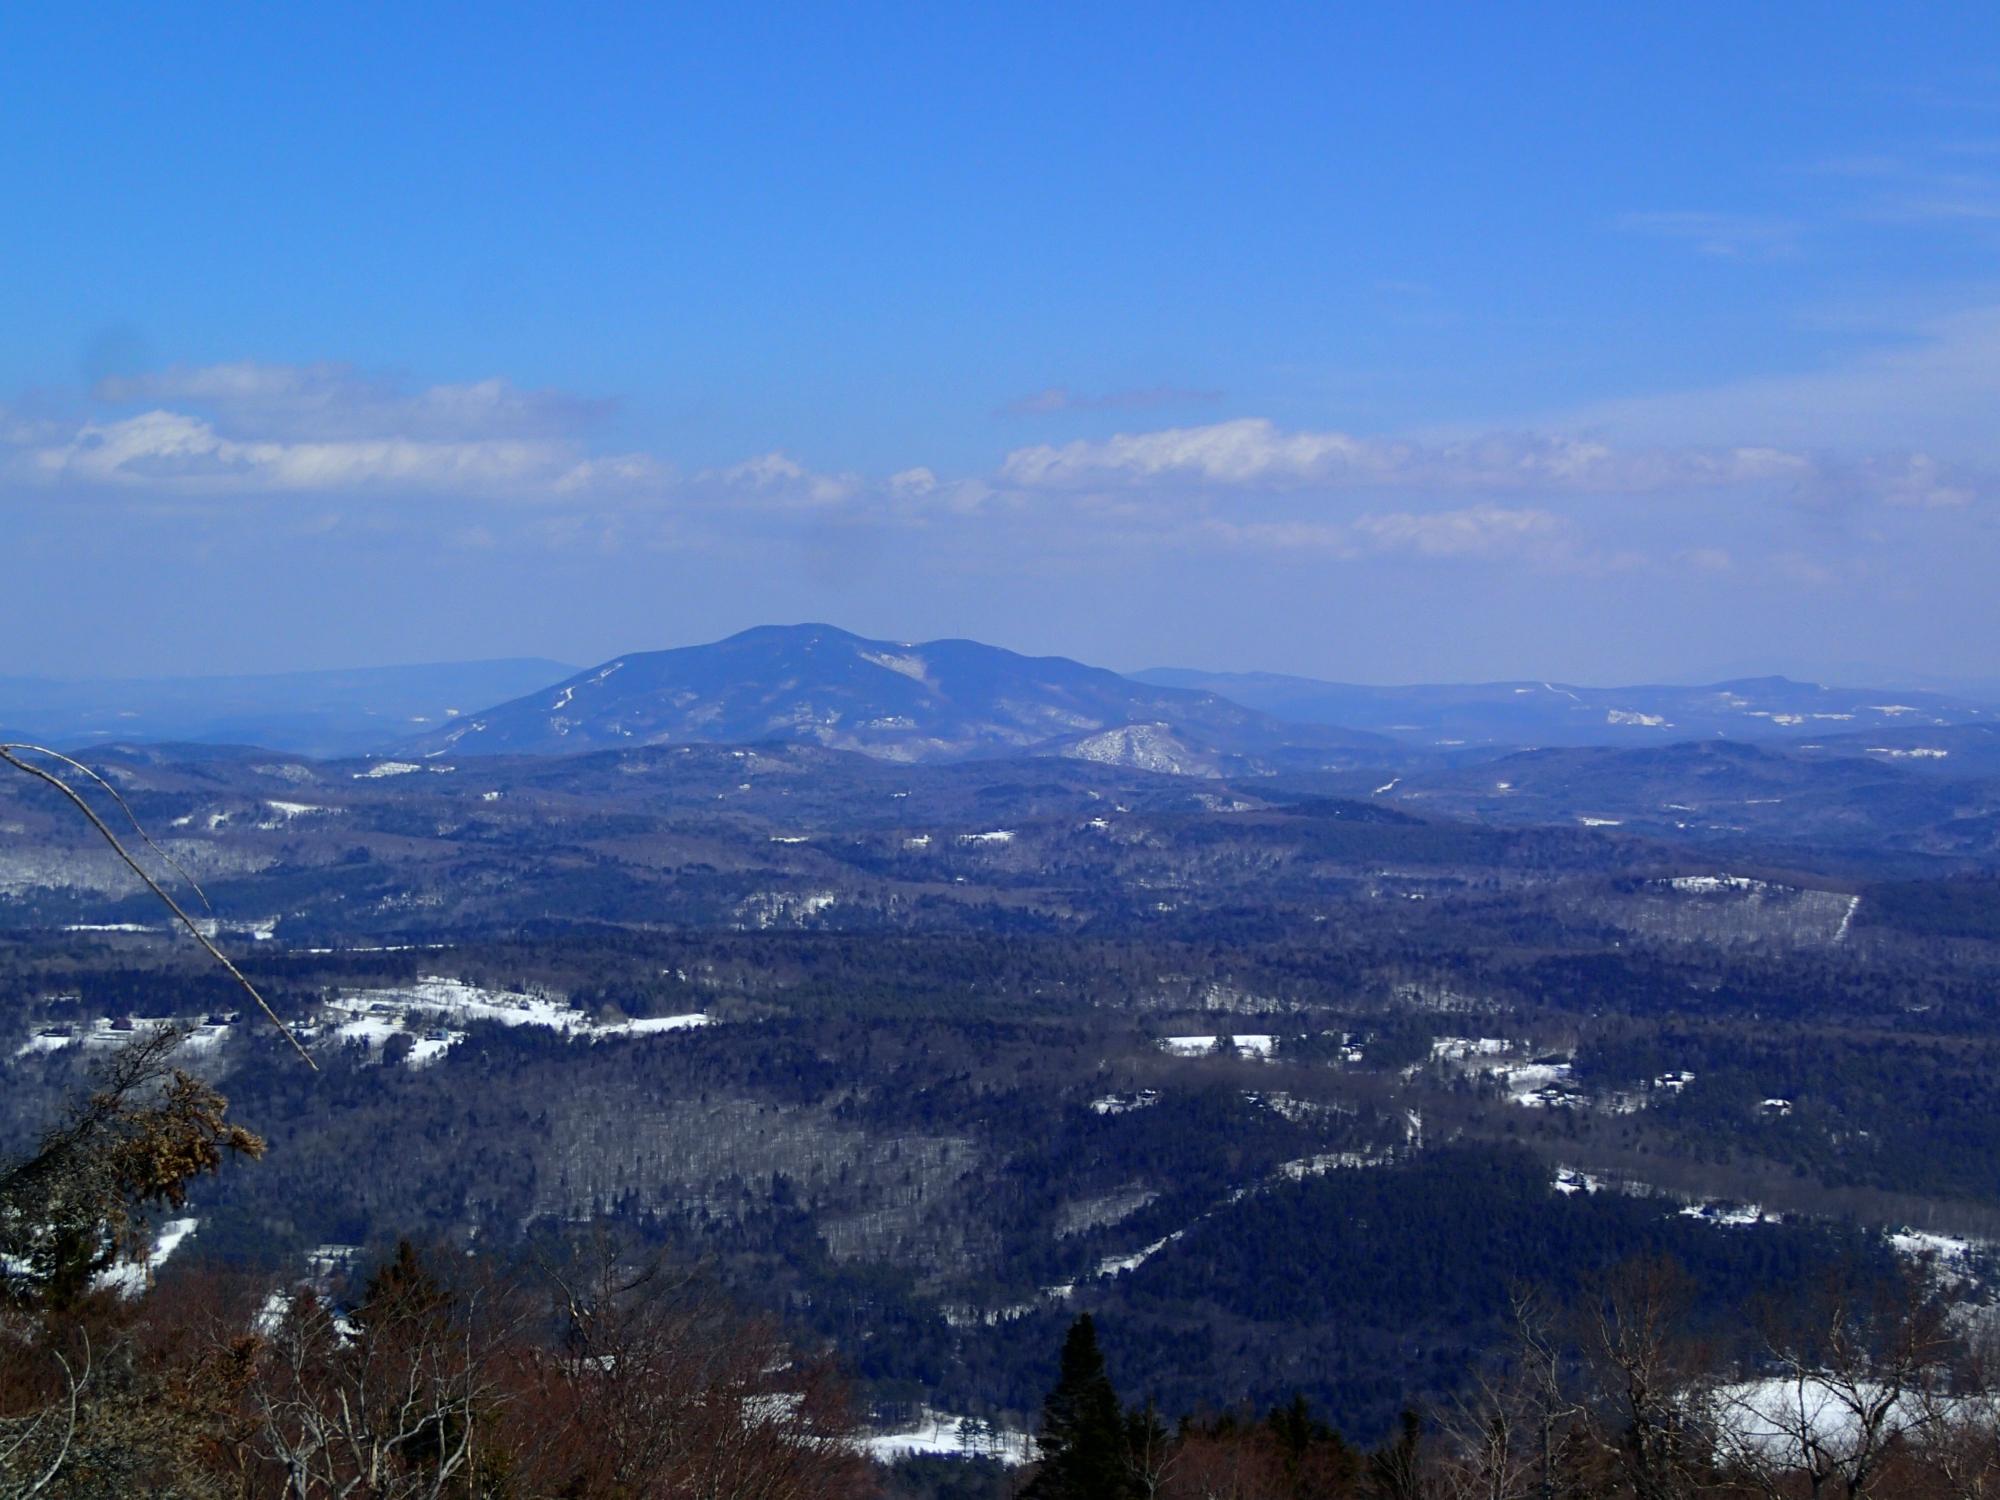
(8, 754)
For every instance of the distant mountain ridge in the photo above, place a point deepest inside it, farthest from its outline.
(325, 713)
(1555, 713)
(913, 701)
(956, 699)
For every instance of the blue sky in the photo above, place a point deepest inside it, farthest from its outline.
(1387, 343)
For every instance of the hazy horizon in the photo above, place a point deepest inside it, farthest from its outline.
(1851, 675)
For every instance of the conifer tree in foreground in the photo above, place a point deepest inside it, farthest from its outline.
(1081, 1444)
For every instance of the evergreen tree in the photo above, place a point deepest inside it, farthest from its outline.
(403, 1291)
(1082, 1439)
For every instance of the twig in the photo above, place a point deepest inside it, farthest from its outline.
(69, 1430)
(7, 754)
(137, 827)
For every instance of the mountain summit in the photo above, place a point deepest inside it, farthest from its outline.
(927, 701)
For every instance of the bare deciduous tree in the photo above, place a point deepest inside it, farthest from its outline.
(652, 1388)
(1508, 1433)
(390, 1402)
(1856, 1372)
(1658, 1383)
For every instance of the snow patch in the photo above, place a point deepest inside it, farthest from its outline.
(387, 768)
(1118, 1265)
(291, 812)
(940, 1434)
(1123, 1104)
(129, 1278)
(1246, 1045)
(911, 667)
(373, 1016)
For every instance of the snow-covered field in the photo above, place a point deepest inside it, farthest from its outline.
(1710, 884)
(937, 1433)
(1532, 1085)
(373, 1016)
(1453, 1048)
(1726, 1215)
(1778, 1418)
(1950, 1255)
(1247, 1044)
(385, 768)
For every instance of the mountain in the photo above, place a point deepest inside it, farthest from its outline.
(931, 701)
(307, 713)
(1860, 795)
(1554, 713)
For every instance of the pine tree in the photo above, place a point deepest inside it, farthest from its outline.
(1082, 1439)
(403, 1290)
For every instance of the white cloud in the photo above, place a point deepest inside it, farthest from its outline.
(217, 431)
(218, 436)
(1249, 451)
(781, 479)
(333, 401)
(1472, 532)
(1909, 481)
(174, 451)
(1254, 453)
(614, 472)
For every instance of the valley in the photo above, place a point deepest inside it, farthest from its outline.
(1287, 1078)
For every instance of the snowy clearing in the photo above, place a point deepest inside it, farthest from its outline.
(372, 1017)
(1246, 1044)
(940, 1434)
(1120, 1104)
(291, 811)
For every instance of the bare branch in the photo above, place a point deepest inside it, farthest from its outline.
(7, 754)
(124, 807)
